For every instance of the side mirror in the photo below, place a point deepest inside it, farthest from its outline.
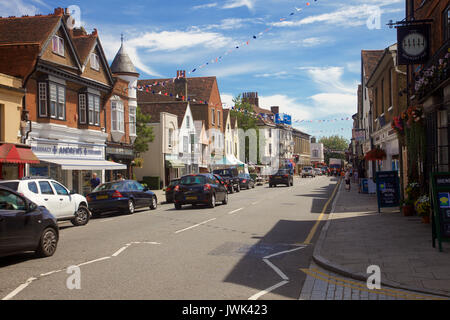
(31, 206)
(146, 189)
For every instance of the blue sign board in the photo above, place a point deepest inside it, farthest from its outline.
(282, 118)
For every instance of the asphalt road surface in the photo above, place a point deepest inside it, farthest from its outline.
(251, 248)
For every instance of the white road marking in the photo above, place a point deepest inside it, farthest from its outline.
(277, 270)
(196, 225)
(234, 211)
(20, 288)
(256, 202)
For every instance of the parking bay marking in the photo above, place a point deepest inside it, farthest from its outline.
(195, 225)
(234, 211)
(20, 288)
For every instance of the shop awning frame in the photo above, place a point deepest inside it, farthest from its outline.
(78, 164)
(174, 164)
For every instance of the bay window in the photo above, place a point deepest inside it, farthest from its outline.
(89, 109)
(117, 117)
(43, 99)
(132, 120)
(57, 101)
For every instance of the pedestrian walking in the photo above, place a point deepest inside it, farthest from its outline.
(95, 181)
(347, 180)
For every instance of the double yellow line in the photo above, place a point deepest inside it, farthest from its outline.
(316, 225)
(363, 287)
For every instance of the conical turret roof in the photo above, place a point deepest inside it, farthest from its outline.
(122, 63)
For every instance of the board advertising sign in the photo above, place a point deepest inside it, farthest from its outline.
(440, 193)
(388, 190)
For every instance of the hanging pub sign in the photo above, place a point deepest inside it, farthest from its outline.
(413, 44)
(440, 192)
(388, 190)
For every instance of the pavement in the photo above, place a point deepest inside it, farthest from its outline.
(356, 236)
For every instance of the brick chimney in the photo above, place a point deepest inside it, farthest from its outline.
(181, 84)
(251, 97)
(59, 12)
(275, 109)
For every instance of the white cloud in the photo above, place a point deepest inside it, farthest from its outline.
(354, 66)
(349, 15)
(227, 99)
(205, 6)
(310, 42)
(329, 79)
(334, 103)
(278, 75)
(230, 4)
(17, 8)
(233, 70)
(287, 105)
(232, 23)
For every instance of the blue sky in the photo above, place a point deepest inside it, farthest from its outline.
(308, 64)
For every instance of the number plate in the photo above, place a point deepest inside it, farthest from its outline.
(191, 198)
(101, 197)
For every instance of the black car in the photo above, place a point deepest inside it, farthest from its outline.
(231, 177)
(120, 196)
(203, 188)
(246, 181)
(282, 176)
(169, 190)
(24, 226)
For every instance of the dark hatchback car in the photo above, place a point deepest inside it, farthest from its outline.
(282, 176)
(170, 190)
(231, 177)
(120, 196)
(25, 227)
(202, 188)
(246, 181)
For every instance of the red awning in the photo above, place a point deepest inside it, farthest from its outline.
(10, 153)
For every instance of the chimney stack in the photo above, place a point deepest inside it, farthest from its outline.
(181, 84)
(251, 97)
(275, 109)
(59, 12)
(181, 74)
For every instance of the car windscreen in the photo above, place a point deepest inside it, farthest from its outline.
(282, 172)
(193, 180)
(244, 175)
(10, 185)
(109, 186)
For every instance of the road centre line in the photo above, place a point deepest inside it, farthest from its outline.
(234, 211)
(196, 225)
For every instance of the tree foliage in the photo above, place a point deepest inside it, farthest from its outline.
(334, 143)
(144, 132)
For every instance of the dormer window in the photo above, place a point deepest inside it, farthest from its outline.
(95, 62)
(58, 45)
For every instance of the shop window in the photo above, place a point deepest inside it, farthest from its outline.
(443, 147)
(117, 117)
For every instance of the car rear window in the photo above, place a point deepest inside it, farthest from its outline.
(282, 172)
(222, 172)
(193, 180)
(174, 183)
(10, 185)
(109, 186)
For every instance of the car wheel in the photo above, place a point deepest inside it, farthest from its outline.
(130, 208)
(232, 189)
(81, 217)
(238, 189)
(225, 200)
(154, 203)
(177, 206)
(47, 243)
(212, 201)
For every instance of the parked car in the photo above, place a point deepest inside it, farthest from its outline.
(46, 192)
(318, 171)
(308, 172)
(231, 176)
(25, 226)
(121, 196)
(203, 188)
(282, 176)
(169, 190)
(246, 181)
(260, 181)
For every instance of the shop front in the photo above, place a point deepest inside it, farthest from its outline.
(71, 163)
(121, 155)
(13, 158)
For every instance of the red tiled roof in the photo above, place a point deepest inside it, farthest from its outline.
(83, 45)
(154, 110)
(369, 59)
(33, 29)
